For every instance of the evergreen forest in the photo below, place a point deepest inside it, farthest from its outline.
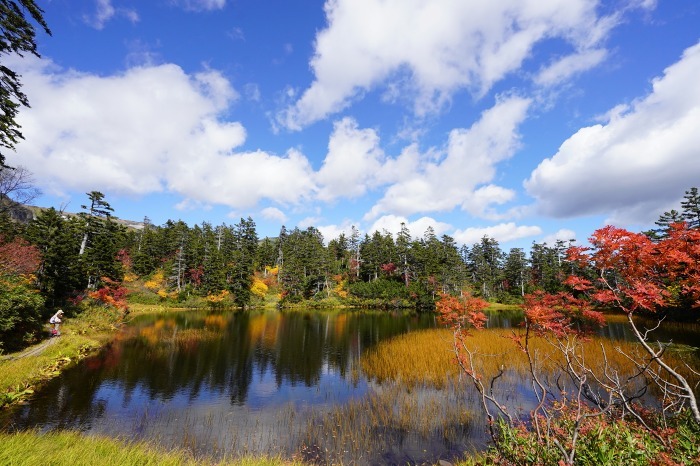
(62, 260)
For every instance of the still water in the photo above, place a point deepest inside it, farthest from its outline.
(233, 383)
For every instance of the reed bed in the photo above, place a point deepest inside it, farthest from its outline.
(428, 357)
(395, 425)
(218, 433)
(416, 358)
(390, 424)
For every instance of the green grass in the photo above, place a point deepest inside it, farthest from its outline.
(504, 307)
(74, 449)
(80, 336)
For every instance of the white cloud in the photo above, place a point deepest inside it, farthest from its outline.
(479, 202)
(200, 5)
(563, 234)
(353, 160)
(632, 166)
(331, 232)
(150, 129)
(469, 161)
(273, 213)
(392, 224)
(241, 179)
(425, 50)
(568, 66)
(105, 12)
(502, 233)
(308, 222)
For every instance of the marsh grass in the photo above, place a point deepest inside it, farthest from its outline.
(393, 424)
(390, 424)
(71, 448)
(423, 357)
(504, 307)
(428, 357)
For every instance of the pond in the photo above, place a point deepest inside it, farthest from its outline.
(289, 383)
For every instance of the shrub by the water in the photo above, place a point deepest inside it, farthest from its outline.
(20, 312)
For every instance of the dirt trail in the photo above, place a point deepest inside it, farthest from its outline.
(33, 351)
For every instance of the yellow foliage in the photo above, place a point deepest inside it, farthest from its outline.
(129, 277)
(162, 293)
(340, 289)
(156, 282)
(217, 298)
(272, 270)
(258, 288)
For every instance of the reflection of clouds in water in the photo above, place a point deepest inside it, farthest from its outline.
(263, 387)
(255, 385)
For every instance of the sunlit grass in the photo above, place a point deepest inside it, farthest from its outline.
(423, 357)
(504, 307)
(71, 448)
(428, 357)
(138, 309)
(80, 336)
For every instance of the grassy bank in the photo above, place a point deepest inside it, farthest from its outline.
(21, 373)
(74, 449)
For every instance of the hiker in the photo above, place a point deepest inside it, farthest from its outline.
(56, 321)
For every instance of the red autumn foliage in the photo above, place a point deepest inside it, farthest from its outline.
(461, 313)
(196, 275)
(112, 294)
(561, 314)
(389, 268)
(124, 257)
(18, 257)
(635, 272)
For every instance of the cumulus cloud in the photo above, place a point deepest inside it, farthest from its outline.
(273, 213)
(331, 232)
(502, 233)
(479, 202)
(469, 161)
(629, 166)
(149, 129)
(353, 160)
(392, 224)
(563, 234)
(426, 50)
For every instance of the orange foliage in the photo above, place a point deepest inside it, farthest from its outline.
(461, 313)
(111, 294)
(642, 269)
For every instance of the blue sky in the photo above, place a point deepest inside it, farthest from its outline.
(523, 120)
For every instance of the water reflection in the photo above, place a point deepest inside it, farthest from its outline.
(224, 383)
(195, 359)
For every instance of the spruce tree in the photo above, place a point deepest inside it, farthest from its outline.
(691, 208)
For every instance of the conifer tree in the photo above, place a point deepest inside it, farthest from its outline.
(691, 208)
(17, 36)
(58, 241)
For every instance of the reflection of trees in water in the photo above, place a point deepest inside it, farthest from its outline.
(210, 355)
